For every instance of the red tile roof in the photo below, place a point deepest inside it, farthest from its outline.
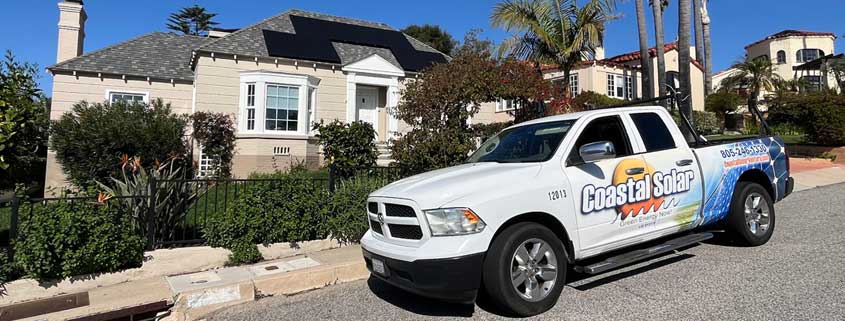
(652, 52)
(794, 33)
(604, 62)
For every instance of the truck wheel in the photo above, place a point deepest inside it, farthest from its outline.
(525, 269)
(752, 214)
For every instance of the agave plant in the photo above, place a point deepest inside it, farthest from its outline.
(161, 196)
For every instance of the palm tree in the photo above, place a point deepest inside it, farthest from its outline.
(191, 21)
(657, 12)
(645, 59)
(753, 76)
(699, 31)
(685, 105)
(708, 52)
(555, 32)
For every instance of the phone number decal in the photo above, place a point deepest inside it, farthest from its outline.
(743, 151)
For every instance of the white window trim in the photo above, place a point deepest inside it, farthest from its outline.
(501, 105)
(262, 79)
(573, 82)
(109, 92)
(626, 92)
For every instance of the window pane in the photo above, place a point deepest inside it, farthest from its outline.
(653, 131)
(608, 128)
(292, 114)
(292, 126)
(270, 125)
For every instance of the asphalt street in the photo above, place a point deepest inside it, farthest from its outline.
(798, 275)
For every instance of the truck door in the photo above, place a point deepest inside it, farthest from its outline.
(602, 189)
(674, 171)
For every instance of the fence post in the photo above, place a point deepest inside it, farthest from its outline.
(331, 178)
(151, 214)
(13, 226)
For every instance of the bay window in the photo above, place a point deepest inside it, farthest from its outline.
(277, 103)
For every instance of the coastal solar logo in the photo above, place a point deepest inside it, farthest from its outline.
(636, 189)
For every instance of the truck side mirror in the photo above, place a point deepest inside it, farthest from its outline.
(597, 151)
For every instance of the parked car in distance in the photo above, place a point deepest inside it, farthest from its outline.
(545, 196)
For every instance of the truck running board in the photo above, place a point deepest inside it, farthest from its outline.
(642, 254)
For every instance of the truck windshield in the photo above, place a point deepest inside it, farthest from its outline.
(523, 144)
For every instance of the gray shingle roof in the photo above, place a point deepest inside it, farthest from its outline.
(250, 41)
(158, 55)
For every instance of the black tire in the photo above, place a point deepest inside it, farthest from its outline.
(738, 222)
(499, 266)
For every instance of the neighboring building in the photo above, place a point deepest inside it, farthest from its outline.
(620, 76)
(275, 77)
(788, 51)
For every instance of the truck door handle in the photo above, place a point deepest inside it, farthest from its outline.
(634, 171)
(684, 162)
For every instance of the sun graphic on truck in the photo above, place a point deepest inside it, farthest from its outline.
(636, 189)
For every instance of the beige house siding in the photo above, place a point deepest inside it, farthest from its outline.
(790, 46)
(69, 90)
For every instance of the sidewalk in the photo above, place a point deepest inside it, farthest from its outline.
(810, 173)
(151, 285)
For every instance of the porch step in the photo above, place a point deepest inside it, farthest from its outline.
(642, 254)
(385, 155)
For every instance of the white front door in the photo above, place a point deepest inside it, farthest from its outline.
(366, 106)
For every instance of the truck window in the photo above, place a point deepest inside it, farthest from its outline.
(523, 144)
(609, 128)
(653, 131)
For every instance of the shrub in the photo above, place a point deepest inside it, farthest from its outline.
(173, 194)
(346, 214)
(422, 149)
(347, 147)
(64, 239)
(91, 139)
(706, 123)
(820, 115)
(244, 253)
(289, 209)
(589, 100)
(7, 268)
(215, 132)
(723, 103)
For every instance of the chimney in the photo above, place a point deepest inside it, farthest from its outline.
(599, 53)
(71, 29)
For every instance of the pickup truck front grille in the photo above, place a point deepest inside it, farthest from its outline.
(376, 227)
(400, 231)
(399, 210)
(395, 220)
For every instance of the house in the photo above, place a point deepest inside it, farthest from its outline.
(789, 51)
(276, 77)
(620, 76)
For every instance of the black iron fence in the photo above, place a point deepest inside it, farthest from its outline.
(174, 211)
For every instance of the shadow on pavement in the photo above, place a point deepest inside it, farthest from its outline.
(417, 304)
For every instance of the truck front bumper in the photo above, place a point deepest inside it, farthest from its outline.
(451, 279)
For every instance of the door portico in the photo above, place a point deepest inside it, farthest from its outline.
(363, 78)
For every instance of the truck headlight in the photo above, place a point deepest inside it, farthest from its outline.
(453, 221)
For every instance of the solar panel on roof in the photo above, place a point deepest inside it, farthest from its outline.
(314, 37)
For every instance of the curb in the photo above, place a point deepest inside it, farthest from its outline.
(195, 305)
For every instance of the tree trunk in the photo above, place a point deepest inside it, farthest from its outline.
(657, 11)
(699, 31)
(685, 105)
(645, 59)
(708, 52)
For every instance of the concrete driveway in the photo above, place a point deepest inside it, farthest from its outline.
(798, 275)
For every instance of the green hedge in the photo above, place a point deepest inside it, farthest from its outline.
(63, 239)
(821, 116)
(292, 208)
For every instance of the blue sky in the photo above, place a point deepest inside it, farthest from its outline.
(28, 28)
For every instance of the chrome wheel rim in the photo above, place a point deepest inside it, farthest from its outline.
(533, 269)
(757, 215)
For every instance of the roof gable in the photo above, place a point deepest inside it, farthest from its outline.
(375, 64)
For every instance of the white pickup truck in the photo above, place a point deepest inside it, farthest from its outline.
(553, 194)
